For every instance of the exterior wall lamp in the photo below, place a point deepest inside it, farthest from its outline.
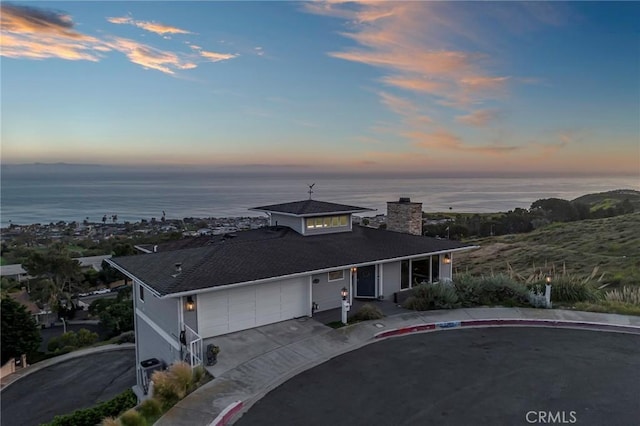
(354, 269)
(447, 259)
(191, 306)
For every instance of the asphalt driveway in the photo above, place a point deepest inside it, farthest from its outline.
(67, 386)
(491, 376)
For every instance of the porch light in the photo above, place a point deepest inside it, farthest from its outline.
(354, 269)
(548, 279)
(446, 259)
(344, 293)
(190, 304)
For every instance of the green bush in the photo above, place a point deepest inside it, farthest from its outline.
(432, 296)
(571, 289)
(491, 290)
(367, 312)
(94, 415)
(86, 337)
(54, 344)
(150, 408)
(132, 418)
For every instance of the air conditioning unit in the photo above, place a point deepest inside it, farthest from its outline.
(148, 366)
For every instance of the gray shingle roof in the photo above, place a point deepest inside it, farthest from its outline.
(272, 252)
(310, 208)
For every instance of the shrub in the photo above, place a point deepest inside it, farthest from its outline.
(126, 337)
(94, 415)
(54, 344)
(571, 289)
(164, 389)
(491, 290)
(151, 408)
(367, 312)
(432, 296)
(198, 374)
(110, 421)
(132, 418)
(69, 339)
(182, 375)
(86, 337)
(629, 295)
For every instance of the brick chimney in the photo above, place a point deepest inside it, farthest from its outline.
(404, 216)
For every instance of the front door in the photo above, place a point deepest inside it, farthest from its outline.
(366, 281)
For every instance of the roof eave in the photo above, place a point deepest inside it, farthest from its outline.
(317, 271)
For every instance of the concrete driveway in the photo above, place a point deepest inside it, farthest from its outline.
(514, 376)
(67, 386)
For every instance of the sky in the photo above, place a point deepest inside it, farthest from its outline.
(427, 87)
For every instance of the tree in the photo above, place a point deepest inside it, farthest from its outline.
(58, 268)
(20, 334)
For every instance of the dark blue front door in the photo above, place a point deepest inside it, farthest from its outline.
(366, 281)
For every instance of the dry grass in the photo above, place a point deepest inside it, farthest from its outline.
(611, 244)
(630, 295)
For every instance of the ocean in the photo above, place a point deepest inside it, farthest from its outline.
(44, 194)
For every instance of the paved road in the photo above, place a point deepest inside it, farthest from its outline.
(499, 376)
(67, 386)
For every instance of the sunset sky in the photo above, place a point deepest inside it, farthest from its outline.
(504, 87)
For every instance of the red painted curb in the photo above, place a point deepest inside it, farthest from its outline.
(227, 414)
(506, 322)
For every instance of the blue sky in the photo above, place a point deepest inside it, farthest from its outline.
(488, 87)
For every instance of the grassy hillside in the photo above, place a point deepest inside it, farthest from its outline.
(610, 199)
(611, 244)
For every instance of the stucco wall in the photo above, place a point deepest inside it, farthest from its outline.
(327, 293)
(163, 312)
(390, 279)
(151, 345)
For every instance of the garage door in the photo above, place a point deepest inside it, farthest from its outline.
(226, 311)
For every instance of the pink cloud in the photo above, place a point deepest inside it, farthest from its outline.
(479, 118)
(154, 27)
(444, 140)
(216, 57)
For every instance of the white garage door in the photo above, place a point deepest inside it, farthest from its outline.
(226, 311)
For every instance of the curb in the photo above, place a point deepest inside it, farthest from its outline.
(421, 328)
(227, 414)
(62, 358)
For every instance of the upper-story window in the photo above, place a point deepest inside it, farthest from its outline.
(141, 292)
(327, 221)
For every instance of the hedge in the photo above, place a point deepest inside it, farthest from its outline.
(94, 415)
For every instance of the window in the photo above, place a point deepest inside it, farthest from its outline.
(141, 292)
(336, 275)
(327, 222)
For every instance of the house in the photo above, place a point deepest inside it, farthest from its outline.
(194, 289)
(42, 317)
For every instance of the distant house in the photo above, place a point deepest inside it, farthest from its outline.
(15, 271)
(92, 262)
(194, 289)
(41, 316)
